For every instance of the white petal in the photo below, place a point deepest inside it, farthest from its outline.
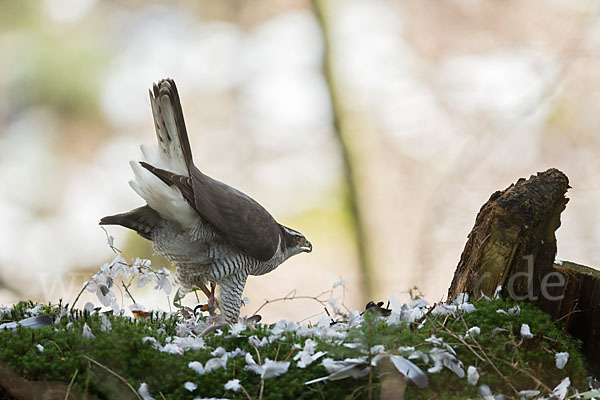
(472, 375)
(215, 363)
(526, 332)
(561, 390)
(143, 391)
(274, 368)
(87, 332)
(197, 366)
(233, 384)
(561, 359)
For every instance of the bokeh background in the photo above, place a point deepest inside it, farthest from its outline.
(376, 127)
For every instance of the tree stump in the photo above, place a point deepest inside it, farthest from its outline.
(513, 245)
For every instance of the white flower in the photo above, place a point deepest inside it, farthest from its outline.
(143, 391)
(379, 348)
(526, 332)
(152, 341)
(561, 390)
(474, 331)
(444, 309)
(143, 279)
(191, 386)
(40, 348)
(162, 280)
(237, 328)
(498, 330)
(216, 363)
(87, 332)
(197, 366)
(35, 310)
(529, 393)
(189, 342)
(172, 348)
(341, 282)
(515, 310)
(472, 375)
(466, 307)
(442, 358)
(497, 292)
(269, 369)
(461, 298)
(233, 384)
(561, 359)
(334, 306)
(255, 341)
(219, 352)
(307, 355)
(89, 307)
(105, 323)
(485, 392)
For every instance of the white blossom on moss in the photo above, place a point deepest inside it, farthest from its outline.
(526, 331)
(561, 359)
(233, 384)
(197, 367)
(472, 375)
(144, 392)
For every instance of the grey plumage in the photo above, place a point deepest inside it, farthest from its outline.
(209, 230)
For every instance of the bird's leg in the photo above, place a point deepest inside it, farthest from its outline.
(212, 300)
(213, 303)
(205, 290)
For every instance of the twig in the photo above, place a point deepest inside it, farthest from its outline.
(257, 355)
(504, 377)
(246, 392)
(529, 374)
(291, 352)
(77, 298)
(162, 395)
(71, 384)
(262, 388)
(128, 293)
(115, 374)
(312, 316)
(292, 296)
(277, 352)
(56, 345)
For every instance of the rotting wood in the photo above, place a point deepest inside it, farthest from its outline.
(513, 245)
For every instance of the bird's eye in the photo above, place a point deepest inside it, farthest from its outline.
(297, 239)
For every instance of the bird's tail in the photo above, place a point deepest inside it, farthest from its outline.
(174, 152)
(143, 220)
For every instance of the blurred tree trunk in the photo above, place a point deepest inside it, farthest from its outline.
(322, 8)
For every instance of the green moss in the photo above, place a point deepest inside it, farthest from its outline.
(121, 350)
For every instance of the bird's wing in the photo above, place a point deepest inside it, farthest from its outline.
(235, 216)
(171, 134)
(245, 223)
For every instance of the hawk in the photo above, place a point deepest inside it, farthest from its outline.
(211, 232)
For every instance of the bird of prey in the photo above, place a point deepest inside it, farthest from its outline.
(211, 232)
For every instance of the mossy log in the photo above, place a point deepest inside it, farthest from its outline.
(513, 245)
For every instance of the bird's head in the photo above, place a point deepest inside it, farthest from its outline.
(294, 242)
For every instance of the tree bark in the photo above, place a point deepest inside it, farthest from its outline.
(513, 245)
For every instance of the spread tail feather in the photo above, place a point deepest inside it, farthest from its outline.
(171, 133)
(142, 220)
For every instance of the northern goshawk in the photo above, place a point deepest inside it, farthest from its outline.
(212, 232)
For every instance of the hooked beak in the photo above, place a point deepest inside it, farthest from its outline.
(306, 247)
